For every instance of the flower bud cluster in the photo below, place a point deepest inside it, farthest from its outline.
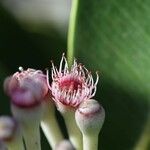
(33, 99)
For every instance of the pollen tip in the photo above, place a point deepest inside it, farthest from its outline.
(52, 62)
(20, 68)
(75, 59)
(46, 69)
(63, 54)
(80, 64)
(97, 72)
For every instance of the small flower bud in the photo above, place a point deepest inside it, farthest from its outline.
(64, 145)
(8, 128)
(10, 133)
(26, 88)
(90, 116)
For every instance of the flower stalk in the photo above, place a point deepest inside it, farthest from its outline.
(50, 125)
(29, 122)
(90, 142)
(75, 135)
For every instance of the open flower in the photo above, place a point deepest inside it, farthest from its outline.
(72, 86)
(26, 88)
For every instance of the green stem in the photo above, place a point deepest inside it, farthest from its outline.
(90, 142)
(50, 125)
(75, 135)
(15, 144)
(29, 119)
(32, 137)
(71, 30)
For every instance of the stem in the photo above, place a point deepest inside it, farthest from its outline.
(32, 137)
(15, 144)
(90, 142)
(71, 31)
(52, 132)
(29, 119)
(50, 126)
(75, 135)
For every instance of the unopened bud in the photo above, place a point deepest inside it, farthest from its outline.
(64, 145)
(90, 116)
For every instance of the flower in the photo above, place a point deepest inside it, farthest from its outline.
(26, 88)
(71, 86)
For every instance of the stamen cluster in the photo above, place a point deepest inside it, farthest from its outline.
(72, 86)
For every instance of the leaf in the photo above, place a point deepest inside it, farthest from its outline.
(113, 36)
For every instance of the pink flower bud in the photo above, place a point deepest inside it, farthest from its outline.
(8, 128)
(10, 134)
(90, 117)
(26, 88)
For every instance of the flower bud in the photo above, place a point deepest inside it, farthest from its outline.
(8, 128)
(26, 88)
(90, 117)
(64, 145)
(10, 133)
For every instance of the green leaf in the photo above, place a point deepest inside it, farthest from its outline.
(113, 36)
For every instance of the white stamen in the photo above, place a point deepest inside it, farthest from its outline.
(61, 62)
(47, 79)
